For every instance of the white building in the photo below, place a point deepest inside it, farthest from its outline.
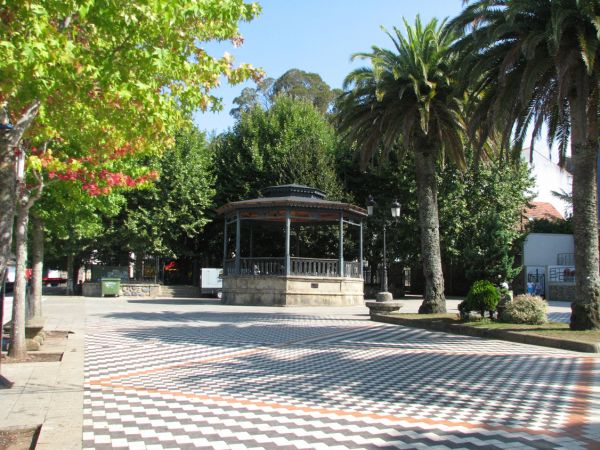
(548, 264)
(549, 177)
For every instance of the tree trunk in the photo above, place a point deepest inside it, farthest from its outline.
(585, 308)
(37, 266)
(77, 287)
(18, 347)
(434, 300)
(9, 140)
(7, 199)
(138, 266)
(70, 284)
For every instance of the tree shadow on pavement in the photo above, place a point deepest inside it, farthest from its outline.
(374, 370)
(177, 301)
(276, 314)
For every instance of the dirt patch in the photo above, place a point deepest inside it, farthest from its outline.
(33, 357)
(19, 439)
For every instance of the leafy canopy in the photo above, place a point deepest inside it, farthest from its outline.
(407, 96)
(291, 142)
(524, 62)
(166, 218)
(109, 73)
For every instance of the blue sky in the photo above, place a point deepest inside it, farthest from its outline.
(316, 36)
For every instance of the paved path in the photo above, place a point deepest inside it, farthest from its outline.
(187, 374)
(50, 393)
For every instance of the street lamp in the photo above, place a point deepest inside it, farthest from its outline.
(395, 210)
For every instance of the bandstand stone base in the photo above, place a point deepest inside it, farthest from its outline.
(292, 291)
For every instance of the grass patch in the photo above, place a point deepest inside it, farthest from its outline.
(551, 329)
(442, 317)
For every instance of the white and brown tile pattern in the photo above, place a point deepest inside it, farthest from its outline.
(239, 381)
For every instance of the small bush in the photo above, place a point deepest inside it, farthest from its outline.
(529, 309)
(483, 296)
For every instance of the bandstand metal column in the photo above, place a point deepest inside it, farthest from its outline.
(288, 226)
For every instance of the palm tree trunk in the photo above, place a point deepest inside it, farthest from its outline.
(585, 309)
(18, 346)
(37, 266)
(434, 300)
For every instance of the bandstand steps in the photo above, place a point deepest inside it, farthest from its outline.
(182, 291)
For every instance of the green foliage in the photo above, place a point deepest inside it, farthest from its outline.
(532, 66)
(483, 296)
(291, 142)
(532, 77)
(166, 218)
(74, 220)
(551, 226)
(505, 296)
(478, 210)
(479, 213)
(387, 180)
(301, 85)
(296, 84)
(529, 309)
(407, 96)
(108, 72)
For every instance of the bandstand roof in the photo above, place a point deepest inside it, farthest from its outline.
(303, 202)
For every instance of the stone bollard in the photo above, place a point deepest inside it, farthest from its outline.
(384, 304)
(384, 297)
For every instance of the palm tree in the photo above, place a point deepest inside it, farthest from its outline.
(407, 99)
(535, 62)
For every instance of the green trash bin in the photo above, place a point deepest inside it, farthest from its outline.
(110, 286)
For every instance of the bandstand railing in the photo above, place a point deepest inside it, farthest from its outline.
(298, 267)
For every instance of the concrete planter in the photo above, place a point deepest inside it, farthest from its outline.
(126, 290)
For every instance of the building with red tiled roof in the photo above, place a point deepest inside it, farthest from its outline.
(541, 210)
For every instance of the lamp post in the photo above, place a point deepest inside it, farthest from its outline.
(395, 210)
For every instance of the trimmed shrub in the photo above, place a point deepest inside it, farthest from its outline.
(529, 309)
(483, 296)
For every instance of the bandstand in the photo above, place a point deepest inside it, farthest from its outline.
(266, 261)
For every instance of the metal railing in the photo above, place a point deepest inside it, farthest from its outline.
(352, 269)
(565, 259)
(314, 267)
(298, 267)
(256, 266)
(561, 274)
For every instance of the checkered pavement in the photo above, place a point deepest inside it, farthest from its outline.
(221, 379)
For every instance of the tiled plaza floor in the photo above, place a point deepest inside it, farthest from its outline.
(201, 375)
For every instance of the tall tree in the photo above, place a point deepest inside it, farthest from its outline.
(261, 95)
(307, 86)
(535, 62)
(166, 218)
(291, 142)
(408, 98)
(478, 211)
(296, 84)
(105, 73)
(74, 221)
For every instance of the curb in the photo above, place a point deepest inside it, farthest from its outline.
(503, 335)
